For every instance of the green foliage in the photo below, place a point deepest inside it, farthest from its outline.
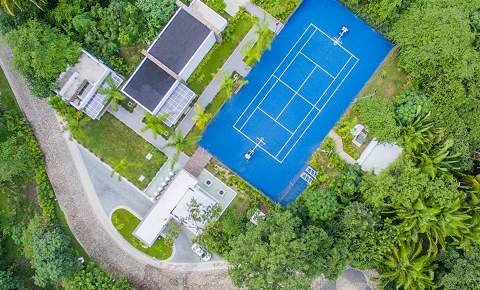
(157, 13)
(410, 105)
(459, 270)
(238, 26)
(291, 254)
(8, 280)
(378, 114)
(45, 194)
(41, 53)
(403, 184)
(180, 143)
(321, 204)
(382, 10)
(253, 51)
(112, 93)
(92, 24)
(15, 160)
(408, 268)
(9, 6)
(280, 9)
(156, 124)
(217, 5)
(368, 237)
(201, 118)
(50, 253)
(91, 277)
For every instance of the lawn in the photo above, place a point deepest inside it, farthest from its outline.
(125, 223)
(112, 141)
(388, 81)
(237, 28)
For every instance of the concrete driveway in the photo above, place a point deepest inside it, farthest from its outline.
(112, 192)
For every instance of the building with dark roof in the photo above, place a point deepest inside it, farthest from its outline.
(159, 82)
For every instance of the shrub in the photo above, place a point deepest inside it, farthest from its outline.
(378, 114)
(41, 53)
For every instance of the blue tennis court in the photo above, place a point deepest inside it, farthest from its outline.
(295, 95)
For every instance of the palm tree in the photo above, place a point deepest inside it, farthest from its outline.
(180, 143)
(407, 268)
(253, 50)
(201, 118)
(121, 168)
(112, 94)
(438, 158)
(227, 83)
(417, 134)
(9, 5)
(155, 123)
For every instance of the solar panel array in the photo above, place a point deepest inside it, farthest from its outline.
(96, 105)
(176, 104)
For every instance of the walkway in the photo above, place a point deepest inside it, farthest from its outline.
(111, 192)
(198, 161)
(233, 63)
(85, 216)
(339, 147)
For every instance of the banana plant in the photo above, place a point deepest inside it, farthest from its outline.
(409, 268)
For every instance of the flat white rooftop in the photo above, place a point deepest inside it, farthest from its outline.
(151, 227)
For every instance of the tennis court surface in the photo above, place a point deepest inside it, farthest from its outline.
(294, 96)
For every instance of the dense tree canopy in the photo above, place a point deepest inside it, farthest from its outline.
(50, 253)
(41, 53)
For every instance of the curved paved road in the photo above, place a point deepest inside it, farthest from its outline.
(83, 211)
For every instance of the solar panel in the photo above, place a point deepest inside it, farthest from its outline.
(176, 104)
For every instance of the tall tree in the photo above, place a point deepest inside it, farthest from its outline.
(407, 268)
(155, 123)
(201, 117)
(41, 53)
(179, 143)
(9, 6)
(112, 93)
(50, 252)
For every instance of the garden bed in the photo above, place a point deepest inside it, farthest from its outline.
(112, 141)
(237, 28)
(389, 81)
(125, 223)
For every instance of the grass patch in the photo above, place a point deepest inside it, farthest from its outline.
(125, 223)
(388, 82)
(237, 28)
(112, 141)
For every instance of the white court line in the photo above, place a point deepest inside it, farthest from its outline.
(295, 131)
(273, 119)
(340, 45)
(266, 82)
(276, 81)
(313, 107)
(318, 113)
(261, 147)
(296, 92)
(319, 66)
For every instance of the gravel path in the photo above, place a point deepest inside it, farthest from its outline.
(82, 212)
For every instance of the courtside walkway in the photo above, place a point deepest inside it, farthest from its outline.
(234, 62)
(84, 214)
(339, 147)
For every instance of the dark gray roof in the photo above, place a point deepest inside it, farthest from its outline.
(179, 41)
(149, 85)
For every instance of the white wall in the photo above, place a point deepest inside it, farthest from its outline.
(198, 56)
